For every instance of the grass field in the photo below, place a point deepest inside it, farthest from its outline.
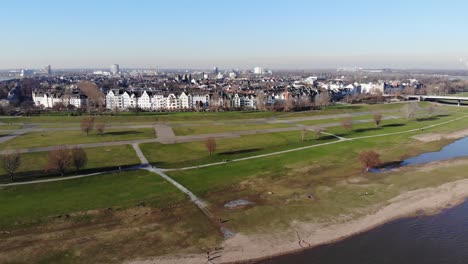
(54, 138)
(32, 203)
(291, 178)
(206, 129)
(104, 157)
(320, 184)
(195, 153)
(152, 117)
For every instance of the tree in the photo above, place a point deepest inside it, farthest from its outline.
(377, 116)
(347, 123)
(431, 110)
(78, 158)
(58, 160)
(323, 99)
(95, 97)
(261, 99)
(410, 109)
(369, 159)
(87, 124)
(304, 133)
(11, 162)
(318, 130)
(210, 144)
(100, 127)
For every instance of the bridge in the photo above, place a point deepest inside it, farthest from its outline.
(458, 99)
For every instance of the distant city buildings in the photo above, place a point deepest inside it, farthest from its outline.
(26, 72)
(259, 70)
(114, 69)
(47, 70)
(215, 70)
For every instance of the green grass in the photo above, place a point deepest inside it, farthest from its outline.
(34, 203)
(336, 120)
(149, 117)
(322, 171)
(346, 109)
(207, 129)
(10, 127)
(195, 153)
(204, 116)
(55, 138)
(103, 157)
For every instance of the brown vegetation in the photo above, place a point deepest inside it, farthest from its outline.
(210, 144)
(100, 127)
(58, 160)
(369, 159)
(11, 162)
(78, 158)
(87, 124)
(347, 123)
(377, 116)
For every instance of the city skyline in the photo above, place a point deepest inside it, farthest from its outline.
(186, 34)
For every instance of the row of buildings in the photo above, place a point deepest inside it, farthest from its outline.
(148, 100)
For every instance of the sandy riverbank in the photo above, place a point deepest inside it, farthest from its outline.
(244, 248)
(436, 136)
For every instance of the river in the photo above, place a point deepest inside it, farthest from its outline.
(437, 239)
(441, 238)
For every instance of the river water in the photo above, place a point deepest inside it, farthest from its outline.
(437, 239)
(456, 149)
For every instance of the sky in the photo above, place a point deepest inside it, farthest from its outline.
(275, 34)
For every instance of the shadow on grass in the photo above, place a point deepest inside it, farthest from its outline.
(121, 133)
(422, 119)
(42, 175)
(394, 125)
(352, 107)
(242, 151)
(327, 137)
(360, 130)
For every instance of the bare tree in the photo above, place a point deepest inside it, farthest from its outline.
(100, 127)
(96, 98)
(409, 110)
(210, 144)
(377, 116)
(58, 160)
(87, 124)
(304, 133)
(79, 158)
(369, 159)
(323, 99)
(347, 123)
(261, 99)
(289, 104)
(11, 162)
(318, 130)
(431, 110)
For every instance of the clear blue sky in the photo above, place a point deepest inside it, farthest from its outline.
(234, 34)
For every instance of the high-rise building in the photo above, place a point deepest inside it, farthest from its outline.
(48, 70)
(259, 70)
(114, 69)
(215, 70)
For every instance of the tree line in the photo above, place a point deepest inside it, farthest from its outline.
(59, 160)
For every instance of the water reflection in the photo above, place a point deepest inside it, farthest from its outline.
(456, 149)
